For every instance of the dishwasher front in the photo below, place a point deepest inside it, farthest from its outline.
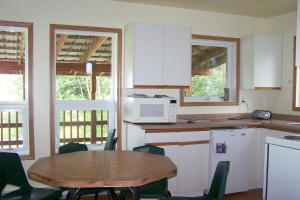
(230, 145)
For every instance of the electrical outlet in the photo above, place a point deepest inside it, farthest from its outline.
(243, 100)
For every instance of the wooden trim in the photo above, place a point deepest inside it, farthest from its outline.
(294, 107)
(29, 26)
(119, 85)
(176, 130)
(178, 143)
(159, 87)
(267, 88)
(254, 126)
(224, 103)
(211, 37)
(52, 88)
(119, 89)
(281, 129)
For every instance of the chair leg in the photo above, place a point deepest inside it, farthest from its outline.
(122, 197)
(168, 193)
(78, 197)
(96, 195)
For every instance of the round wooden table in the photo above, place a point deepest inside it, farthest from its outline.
(111, 169)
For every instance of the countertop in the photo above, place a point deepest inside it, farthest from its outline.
(202, 125)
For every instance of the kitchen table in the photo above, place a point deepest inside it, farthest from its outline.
(109, 169)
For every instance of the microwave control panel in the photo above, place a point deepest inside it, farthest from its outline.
(173, 110)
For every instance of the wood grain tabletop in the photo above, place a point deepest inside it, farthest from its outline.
(101, 169)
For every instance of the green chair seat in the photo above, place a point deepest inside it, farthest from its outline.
(33, 194)
(12, 172)
(217, 187)
(157, 189)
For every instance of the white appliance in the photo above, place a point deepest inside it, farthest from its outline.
(282, 169)
(145, 109)
(236, 145)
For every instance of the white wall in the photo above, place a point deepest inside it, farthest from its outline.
(286, 26)
(106, 13)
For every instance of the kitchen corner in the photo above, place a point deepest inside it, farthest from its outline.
(191, 138)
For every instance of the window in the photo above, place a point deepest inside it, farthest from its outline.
(84, 84)
(215, 66)
(16, 108)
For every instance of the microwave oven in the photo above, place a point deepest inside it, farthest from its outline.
(150, 109)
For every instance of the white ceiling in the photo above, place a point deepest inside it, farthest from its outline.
(255, 8)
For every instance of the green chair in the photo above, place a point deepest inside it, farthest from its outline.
(12, 172)
(217, 187)
(158, 189)
(110, 143)
(74, 147)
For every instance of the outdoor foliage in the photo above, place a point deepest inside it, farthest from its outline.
(210, 85)
(79, 87)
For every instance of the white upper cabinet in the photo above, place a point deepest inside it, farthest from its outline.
(157, 55)
(261, 61)
(177, 55)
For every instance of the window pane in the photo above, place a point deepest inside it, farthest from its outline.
(209, 71)
(210, 85)
(15, 90)
(15, 85)
(103, 87)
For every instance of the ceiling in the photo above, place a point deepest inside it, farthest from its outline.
(72, 53)
(254, 8)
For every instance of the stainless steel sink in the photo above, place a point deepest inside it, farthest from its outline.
(185, 121)
(292, 137)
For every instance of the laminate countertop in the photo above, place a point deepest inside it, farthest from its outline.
(203, 125)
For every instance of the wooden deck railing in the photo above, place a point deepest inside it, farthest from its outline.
(11, 133)
(75, 126)
(87, 127)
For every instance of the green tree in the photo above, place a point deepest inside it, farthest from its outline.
(210, 85)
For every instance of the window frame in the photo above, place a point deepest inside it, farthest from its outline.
(29, 83)
(217, 103)
(118, 78)
(295, 79)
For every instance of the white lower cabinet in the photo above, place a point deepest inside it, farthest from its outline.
(254, 150)
(172, 153)
(193, 169)
(190, 154)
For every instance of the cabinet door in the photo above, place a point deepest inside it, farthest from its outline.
(177, 56)
(267, 55)
(172, 153)
(148, 54)
(193, 169)
(254, 158)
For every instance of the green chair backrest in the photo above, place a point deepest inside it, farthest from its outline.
(161, 185)
(12, 171)
(150, 149)
(110, 141)
(72, 147)
(218, 185)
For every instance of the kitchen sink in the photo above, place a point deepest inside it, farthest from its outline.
(292, 137)
(185, 121)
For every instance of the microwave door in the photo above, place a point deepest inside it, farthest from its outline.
(154, 112)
